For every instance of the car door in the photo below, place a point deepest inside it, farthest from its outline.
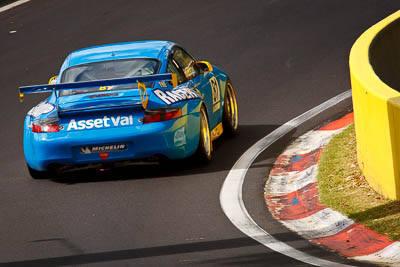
(206, 83)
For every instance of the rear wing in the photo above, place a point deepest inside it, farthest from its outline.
(140, 80)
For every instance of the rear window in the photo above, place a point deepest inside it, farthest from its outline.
(112, 69)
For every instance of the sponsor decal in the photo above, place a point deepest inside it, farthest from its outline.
(174, 96)
(103, 95)
(102, 148)
(163, 84)
(217, 131)
(105, 88)
(217, 106)
(104, 122)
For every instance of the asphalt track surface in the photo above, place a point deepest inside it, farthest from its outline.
(284, 57)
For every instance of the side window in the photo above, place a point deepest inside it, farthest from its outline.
(186, 62)
(173, 67)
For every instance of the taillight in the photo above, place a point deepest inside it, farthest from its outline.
(46, 126)
(162, 114)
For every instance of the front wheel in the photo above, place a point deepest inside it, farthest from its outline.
(230, 119)
(205, 144)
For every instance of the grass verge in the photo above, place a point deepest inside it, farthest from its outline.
(342, 187)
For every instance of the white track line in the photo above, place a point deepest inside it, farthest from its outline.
(231, 192)
(7, 7)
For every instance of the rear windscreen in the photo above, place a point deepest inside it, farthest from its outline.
(104, 70)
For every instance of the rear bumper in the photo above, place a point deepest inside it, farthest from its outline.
(174, 139)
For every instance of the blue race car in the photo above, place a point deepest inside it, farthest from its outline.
(126, 102)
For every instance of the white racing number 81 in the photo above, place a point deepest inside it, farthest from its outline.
(215, 92)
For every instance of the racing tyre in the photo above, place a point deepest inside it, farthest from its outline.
(205, 144)
(38, 174)
(230, 118)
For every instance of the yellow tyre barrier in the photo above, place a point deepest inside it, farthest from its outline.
(375, 72)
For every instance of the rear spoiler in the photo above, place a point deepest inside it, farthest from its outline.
(33, 89)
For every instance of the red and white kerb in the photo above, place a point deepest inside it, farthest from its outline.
(291, 194)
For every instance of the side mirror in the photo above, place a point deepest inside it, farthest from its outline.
(53, 80)
(204, 66)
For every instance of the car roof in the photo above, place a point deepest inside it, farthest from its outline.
(138, 49)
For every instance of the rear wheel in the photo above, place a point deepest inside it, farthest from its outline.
(230, 119)
(205, 145)
(38, 174)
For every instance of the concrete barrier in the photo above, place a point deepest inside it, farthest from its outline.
(375, 79)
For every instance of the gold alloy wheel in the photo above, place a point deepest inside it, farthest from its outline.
(231, 112)
(205, 137)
